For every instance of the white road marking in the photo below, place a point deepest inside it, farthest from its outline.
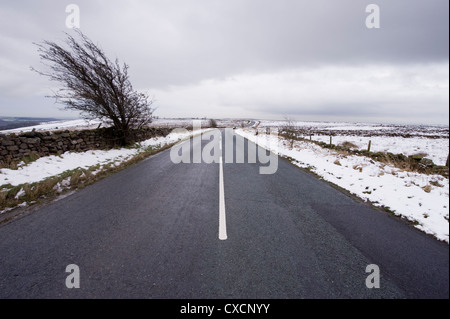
(222, 215)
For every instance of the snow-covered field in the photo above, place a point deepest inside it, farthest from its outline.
(420, 198)
(57, 125)
(365, 129)
(434, 149)
(82, 124)
(432, 141)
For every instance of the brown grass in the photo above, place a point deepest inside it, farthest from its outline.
(14, 165)
(3, 195)
(347, 144)
(76, 178)
(419, 155)
(47, 185)
(436, 183)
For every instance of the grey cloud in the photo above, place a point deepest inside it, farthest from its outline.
(179, 43)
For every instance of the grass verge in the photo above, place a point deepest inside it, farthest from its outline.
(23, 195)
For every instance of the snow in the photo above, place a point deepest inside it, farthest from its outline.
(55, 165)
(346, 128)
(434, 149)
(83, 124)
(20, 193)
(57, 125)
(433, 141)
(60, 186)
(385, 186)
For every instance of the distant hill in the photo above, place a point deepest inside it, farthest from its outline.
(8, 123)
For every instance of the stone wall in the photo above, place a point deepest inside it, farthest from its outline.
(15, 147)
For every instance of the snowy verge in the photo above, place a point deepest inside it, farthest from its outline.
(95, 160)
(420, 198)
(53, 165)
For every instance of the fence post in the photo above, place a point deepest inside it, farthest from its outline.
(331, 140)
(370, 145)
(446, 163)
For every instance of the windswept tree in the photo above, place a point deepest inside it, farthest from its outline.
(95, 86)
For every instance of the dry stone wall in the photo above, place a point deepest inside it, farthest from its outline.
(15, 147)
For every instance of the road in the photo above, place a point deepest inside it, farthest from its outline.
(152, 231)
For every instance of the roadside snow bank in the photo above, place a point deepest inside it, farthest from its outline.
(422, 199)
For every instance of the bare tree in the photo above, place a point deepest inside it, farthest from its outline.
(212, 123)
(290, 130)
(95, 86)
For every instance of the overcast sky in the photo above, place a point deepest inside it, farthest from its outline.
(268, 59)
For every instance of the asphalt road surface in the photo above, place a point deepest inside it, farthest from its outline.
(152, 231)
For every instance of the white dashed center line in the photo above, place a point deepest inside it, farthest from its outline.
(222, 215)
